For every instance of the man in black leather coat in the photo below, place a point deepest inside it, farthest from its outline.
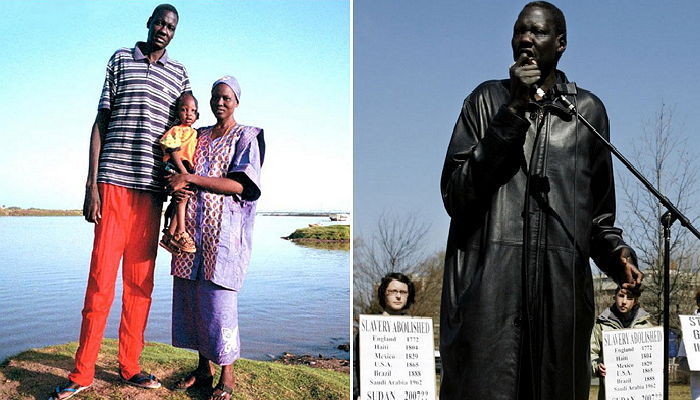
(531, 195)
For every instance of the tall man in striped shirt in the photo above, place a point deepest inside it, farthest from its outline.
(124, 195)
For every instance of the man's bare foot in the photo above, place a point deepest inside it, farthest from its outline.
(142, 380)
(67, 391)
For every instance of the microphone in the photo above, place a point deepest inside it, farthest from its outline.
(539, 93)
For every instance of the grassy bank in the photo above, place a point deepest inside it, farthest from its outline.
(335, 233)
(32, 375)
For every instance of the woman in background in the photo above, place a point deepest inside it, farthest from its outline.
(396, 293)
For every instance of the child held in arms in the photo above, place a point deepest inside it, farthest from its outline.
(179, 143)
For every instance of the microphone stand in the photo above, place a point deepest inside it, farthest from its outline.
(667, 219)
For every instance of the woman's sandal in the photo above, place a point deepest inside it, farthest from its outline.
(56, 395)
(199, 381)
(144, 381)
(225, 392)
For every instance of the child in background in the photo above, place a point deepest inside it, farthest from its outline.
(683, 354)
(179, 143)
(624, 313)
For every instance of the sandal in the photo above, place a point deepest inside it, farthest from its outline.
(199, 381)
(145, 381)
(56, 395)
(225, 392)
(168, 243)
(184, 242)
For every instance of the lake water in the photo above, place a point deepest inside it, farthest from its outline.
(294, 299)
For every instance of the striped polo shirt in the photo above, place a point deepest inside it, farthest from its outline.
(141, 97)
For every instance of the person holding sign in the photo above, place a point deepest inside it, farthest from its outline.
(624, 313)
(694, 375)
(396, 293)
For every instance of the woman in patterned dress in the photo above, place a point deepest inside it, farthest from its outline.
(220, 212)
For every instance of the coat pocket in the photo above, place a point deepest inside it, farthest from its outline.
(230, 238)
(228, 265)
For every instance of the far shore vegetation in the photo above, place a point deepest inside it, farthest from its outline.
(37, 212)
(328, 233)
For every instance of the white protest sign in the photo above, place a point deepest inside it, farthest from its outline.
(397, 359)
(691, 339)
(634, 363)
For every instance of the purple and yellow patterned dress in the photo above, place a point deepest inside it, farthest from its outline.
(206, 283)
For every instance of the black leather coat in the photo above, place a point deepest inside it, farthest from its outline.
(500, 325)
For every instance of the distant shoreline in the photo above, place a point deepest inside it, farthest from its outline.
(40, 212)
(301, 213)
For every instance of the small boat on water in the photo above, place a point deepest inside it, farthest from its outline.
(338, 217)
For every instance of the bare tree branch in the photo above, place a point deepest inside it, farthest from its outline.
(663, 157)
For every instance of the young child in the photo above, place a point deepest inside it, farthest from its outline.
(179, 143)
(624, 313)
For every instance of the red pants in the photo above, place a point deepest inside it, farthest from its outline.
(128, 231)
